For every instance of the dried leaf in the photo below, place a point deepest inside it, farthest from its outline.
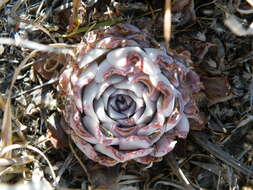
(217, 89)
(34, 185)
(216, 151)
(168, 183)
(179, 5)
(233, 23)
(2, 102)
(128, 188)
(16, 161)
(251, 93)
(103, 177)
(2, 3)
(129, 179)
(48, 64)
(171, 160)
(208, 166)
(55, 132)
(1, 49)
(6, 133)
(10, 148)
(250, 2)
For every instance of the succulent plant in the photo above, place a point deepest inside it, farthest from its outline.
(124, 98)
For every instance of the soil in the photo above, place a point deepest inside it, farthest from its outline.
(217, 34)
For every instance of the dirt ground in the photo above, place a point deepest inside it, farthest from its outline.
(218, 35)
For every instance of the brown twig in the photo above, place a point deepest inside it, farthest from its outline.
(167, 23)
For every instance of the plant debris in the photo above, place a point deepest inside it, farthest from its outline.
(215, 33)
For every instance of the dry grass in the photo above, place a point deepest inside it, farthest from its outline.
(218, 35)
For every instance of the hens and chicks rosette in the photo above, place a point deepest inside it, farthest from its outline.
(124, 98)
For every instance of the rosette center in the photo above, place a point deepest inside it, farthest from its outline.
(121, 106)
